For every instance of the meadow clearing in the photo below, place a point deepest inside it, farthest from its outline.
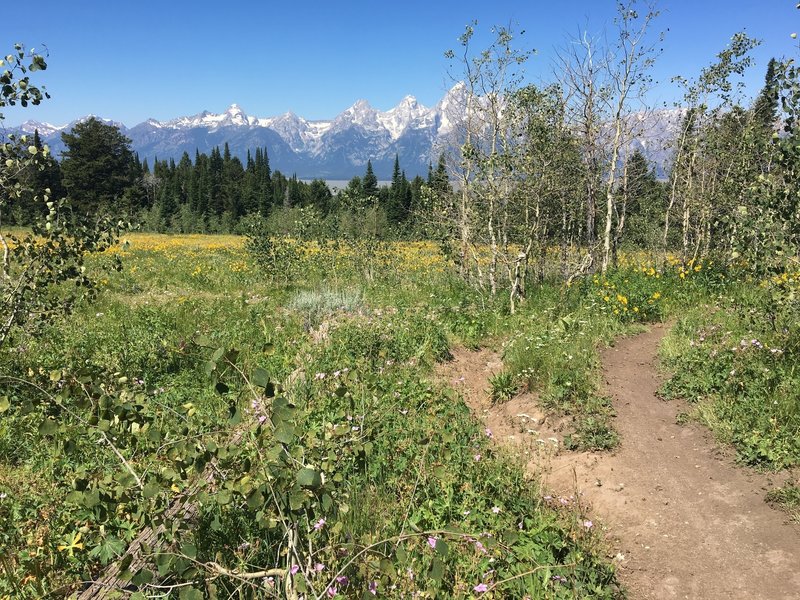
(297, 410)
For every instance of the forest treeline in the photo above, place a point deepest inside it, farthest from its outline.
(209, 193)
(527, 168)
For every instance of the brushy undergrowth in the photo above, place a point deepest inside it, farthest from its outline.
(387, 483)
(787, 498)
(559, 332)
(735, 358)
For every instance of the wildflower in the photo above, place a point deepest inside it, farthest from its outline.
(432, 542)
(319, 524)
(269, 582)
(559, 579)
(294, 569)
(481, 547)
(262, 419)
(332, 591)
(319, 567)
(481, 587)
(342, 580)
(373, 588)
(496, 509)
(588, 524)
(477, 457)
(319, 376)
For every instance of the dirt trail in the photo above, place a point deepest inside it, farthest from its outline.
(685, 521)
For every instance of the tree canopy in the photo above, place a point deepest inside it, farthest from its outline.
(96, 165)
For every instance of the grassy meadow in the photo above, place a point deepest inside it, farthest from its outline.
(339, 465)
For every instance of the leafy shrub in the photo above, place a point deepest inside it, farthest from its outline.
(316, 305)
(502, 387)
(741, 371)
(788, 499)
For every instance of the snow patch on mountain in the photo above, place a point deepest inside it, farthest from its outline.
(337, 148)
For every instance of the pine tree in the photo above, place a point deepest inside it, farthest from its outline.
(440, 181)
(369, 184)
(398, 206)
(765, 108)
(96, 165)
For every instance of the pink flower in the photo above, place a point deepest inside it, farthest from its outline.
(588, 524)
(294, 569)
(489, 433)
(319, 524)
(373, 588)
(342, 580)
(319, 567)
(332, 591)
(495, 509)
(481, 547)
(481, 587)
(477, 457)
(432, 542)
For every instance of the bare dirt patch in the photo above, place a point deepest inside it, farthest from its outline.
(683, 518)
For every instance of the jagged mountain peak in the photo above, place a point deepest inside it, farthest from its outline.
(337, 148)
(235, 110)
(361, 104)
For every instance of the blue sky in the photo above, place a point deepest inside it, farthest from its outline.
(132, 60)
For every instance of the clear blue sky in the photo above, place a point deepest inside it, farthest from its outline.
(130, 60)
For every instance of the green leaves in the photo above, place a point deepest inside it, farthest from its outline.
(260, 377)
(151, 490)
(48, 426)
(309, 478)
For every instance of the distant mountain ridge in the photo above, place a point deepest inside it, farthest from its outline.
(328, 149)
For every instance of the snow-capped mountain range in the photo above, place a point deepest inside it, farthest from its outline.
(333, 149)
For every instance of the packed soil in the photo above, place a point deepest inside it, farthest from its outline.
(682, 519)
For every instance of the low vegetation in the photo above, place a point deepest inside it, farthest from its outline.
(267, 402)
(314, 408)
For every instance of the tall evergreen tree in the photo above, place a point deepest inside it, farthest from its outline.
(440, 180)
(398, 206)
(765, 108)
(369, 184)
(96, 165)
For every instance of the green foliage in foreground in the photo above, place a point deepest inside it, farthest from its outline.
(339, 466)
(787, 498)
(735, 357)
